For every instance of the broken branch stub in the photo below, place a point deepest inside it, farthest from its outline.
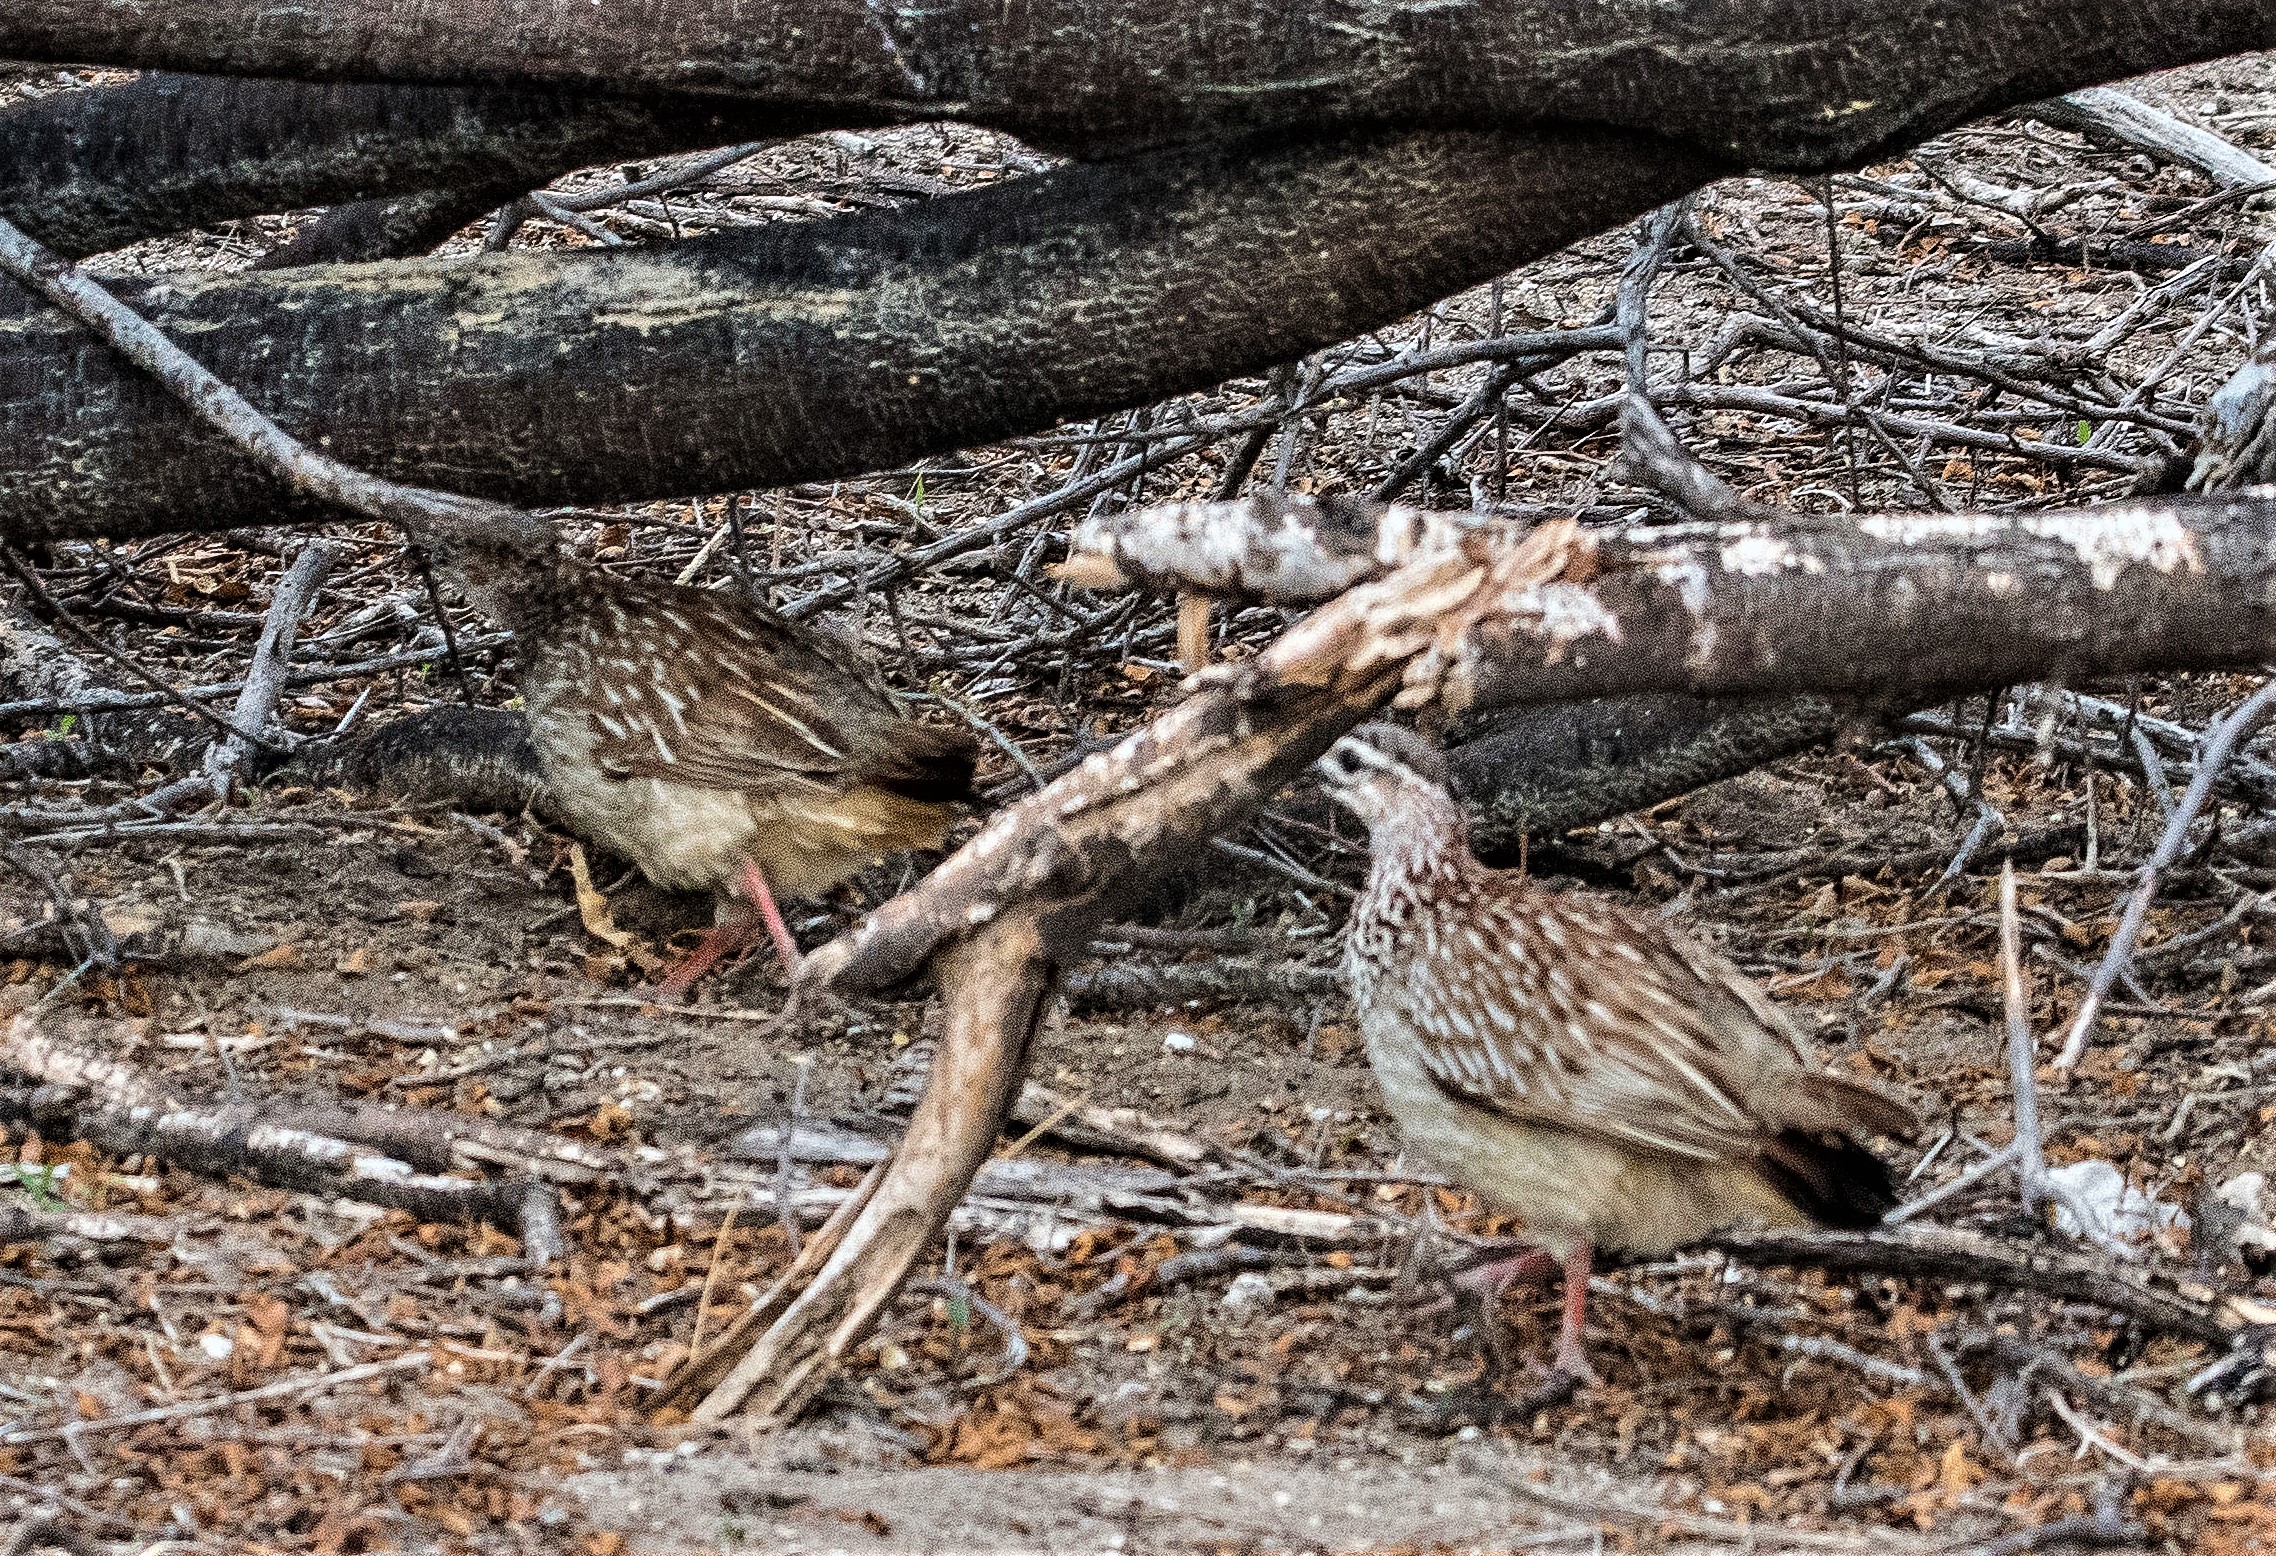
(996, 984)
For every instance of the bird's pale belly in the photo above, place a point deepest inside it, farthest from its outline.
(687, 838)
(1569, 1187)
(683, 838)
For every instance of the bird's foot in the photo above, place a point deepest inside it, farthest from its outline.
(718, 943)
(1571, 1361)
(1535, 1267)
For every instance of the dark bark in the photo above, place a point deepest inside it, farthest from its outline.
(1541, 771)
(1783, 83)
(86, 172)
(393, 228)
(801, 352)
(477, 759)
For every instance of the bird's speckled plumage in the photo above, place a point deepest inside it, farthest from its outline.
(1610, 1080)
(695, 731)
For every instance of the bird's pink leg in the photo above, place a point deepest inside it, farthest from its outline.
(716, 943)
(1572, 1357)
(721, 939)
(754, 884)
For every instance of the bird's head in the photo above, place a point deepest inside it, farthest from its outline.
(1381, 772)
(500, 559)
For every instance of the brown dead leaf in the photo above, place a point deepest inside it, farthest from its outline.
(286, 955)
(593, 912)
(1956, 1472)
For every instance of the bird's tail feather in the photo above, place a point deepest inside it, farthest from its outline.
(1855, 1108)
(930, 764)
(1831, 1179)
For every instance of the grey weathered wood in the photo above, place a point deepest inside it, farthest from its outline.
(1784, 83)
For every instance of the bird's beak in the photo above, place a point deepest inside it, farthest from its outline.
(1332, 770)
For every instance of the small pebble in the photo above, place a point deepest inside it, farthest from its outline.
(1248, 1293)
(1178, 1043)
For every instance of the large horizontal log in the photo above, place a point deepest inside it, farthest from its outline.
(802, 351)
(1779, 83)
(86, 172)
(1901, 606)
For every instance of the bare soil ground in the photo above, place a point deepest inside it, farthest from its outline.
(1302, 1398)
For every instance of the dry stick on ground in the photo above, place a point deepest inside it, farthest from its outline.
(2034, 1184)
(2105, 111)
(283, 1388)
(1988, 824)
(2022, 1049)
(272, 656)
(1650, 452)
(405, 1159)
(557, 204)
(2155, 1299)
(1072, 293)
(2220, 745)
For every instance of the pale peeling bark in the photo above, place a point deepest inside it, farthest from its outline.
(126, 1113)
(1779, 83)
(1299, 553)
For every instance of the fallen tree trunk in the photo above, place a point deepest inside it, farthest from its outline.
(1536, 772)
(1774, 83)
(797, 352)
(1908, 605)
(87, 172)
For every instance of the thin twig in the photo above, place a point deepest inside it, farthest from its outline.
(2220, 744)
(783, 1179)
(2022, 1050)
(264, 679)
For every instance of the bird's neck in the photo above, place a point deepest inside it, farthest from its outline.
(527, 601)
(1419, 847)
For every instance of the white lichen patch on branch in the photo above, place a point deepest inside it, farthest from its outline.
(2107, 541)
(1757, 552)
(1279, 550)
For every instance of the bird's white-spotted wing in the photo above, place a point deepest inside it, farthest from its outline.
(1573, 1012)
(721, 694)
